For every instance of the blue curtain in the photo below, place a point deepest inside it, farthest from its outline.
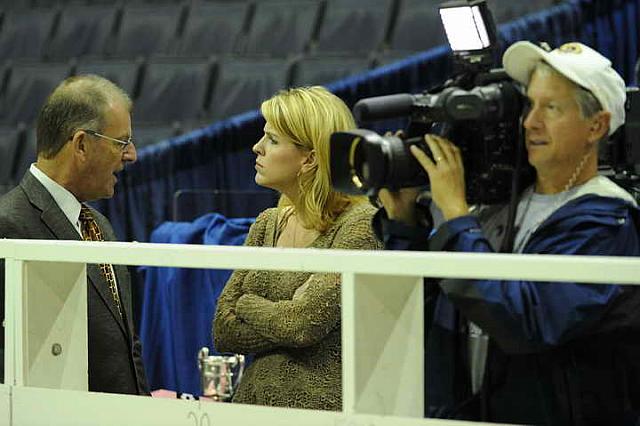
(179, 303)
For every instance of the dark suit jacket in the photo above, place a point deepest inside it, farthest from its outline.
(115, 353)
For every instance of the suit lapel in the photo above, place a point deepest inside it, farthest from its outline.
(52, 216)
(59, 225)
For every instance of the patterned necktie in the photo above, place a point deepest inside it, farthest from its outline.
(91, 232)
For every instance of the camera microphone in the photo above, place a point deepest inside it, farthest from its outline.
(381, 107)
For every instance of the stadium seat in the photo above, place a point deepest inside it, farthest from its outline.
(25, 154)
(173, 89)
(418, 27)
(83, 31)
(243, 83)
(10, 139)
(158, 1)
(16, 4)
(28, 85)
(322, 70)
(508, 10)
(148, 30)
(46, 3)
(348, 27)
(97, 2)
(124, 73)
(25, 33)
(213, 28)
(282, 28)
(145, 135)
(390, 56)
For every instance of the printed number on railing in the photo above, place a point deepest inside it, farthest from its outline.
(203, 421)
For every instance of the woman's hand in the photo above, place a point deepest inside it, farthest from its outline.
(446, 175)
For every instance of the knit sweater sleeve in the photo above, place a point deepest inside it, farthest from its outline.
(230, 332)
(315, 312)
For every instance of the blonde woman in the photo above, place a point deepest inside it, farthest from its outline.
(291, 320)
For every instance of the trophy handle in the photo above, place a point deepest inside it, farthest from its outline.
(203, 353)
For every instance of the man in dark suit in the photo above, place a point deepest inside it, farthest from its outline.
(83, 141)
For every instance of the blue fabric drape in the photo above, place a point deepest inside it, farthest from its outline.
(179, 303)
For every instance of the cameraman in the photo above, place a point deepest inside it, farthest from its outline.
(522, 351)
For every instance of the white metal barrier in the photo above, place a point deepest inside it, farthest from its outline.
(382, 327)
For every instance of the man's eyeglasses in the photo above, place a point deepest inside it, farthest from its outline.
(123, 144)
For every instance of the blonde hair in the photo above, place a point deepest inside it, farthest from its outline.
(309, 115)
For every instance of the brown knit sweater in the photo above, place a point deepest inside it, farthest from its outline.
(296, 341)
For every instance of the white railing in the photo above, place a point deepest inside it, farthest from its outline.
(382, 327)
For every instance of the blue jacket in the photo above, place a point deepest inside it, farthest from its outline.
(559, 353)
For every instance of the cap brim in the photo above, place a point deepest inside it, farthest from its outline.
(521, 58)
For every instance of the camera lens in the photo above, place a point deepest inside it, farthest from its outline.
(363, 162)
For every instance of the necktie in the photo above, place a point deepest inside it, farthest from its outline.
(91, 232)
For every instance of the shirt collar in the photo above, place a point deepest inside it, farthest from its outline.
(67, 202)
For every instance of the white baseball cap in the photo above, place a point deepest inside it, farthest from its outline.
(580, 64)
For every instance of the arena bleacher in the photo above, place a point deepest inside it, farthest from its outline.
(188, 64)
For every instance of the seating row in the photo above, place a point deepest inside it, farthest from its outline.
(167, 89)
(259, 46)
(275, 28)
(18, 146)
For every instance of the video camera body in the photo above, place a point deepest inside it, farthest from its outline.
(480, 110)
(482, 119)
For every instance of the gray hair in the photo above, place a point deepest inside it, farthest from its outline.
(78, 102)
(587, 102)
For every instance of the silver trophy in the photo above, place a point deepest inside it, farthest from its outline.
(220, 375)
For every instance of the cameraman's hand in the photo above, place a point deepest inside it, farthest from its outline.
(446, 175)
(400, 205)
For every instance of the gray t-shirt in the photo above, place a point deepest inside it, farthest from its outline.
(535, 208)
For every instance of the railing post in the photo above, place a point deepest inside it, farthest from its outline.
(46, 324)
(382, 345)
(13, 324)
